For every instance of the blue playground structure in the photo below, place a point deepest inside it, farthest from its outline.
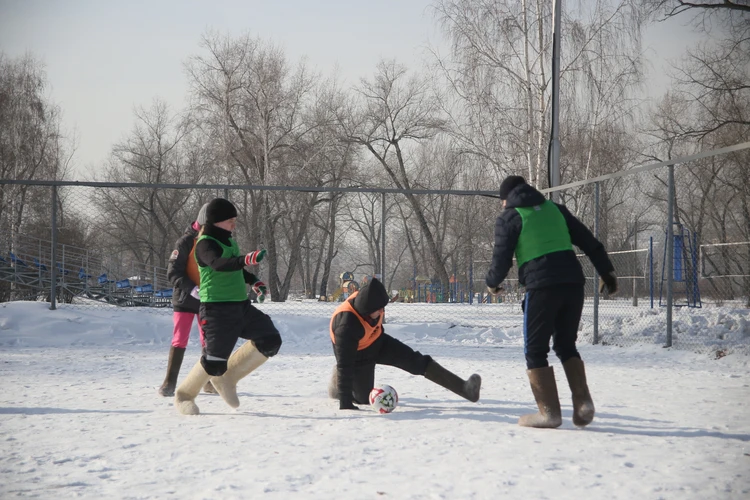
(684, 268)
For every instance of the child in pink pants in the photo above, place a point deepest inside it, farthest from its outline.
(183, 274)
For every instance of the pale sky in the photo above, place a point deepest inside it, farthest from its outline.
(104, 58)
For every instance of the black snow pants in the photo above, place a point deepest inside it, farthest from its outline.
(224, 323)
(551, 313)
(389, 351)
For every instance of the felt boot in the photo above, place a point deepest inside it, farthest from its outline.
(240, 364)
(583, 405)
(184, 398)
(468, 389)
(176, 354)
(544, 387)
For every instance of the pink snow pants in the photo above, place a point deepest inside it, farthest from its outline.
(183, 322)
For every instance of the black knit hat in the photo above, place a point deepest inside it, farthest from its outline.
(371, 297)
(509, 183)
(219, 210)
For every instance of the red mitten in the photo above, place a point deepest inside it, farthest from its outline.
(253, 258)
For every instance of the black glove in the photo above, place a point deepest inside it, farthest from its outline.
(608, 281)
(346, 404)
(523, 305)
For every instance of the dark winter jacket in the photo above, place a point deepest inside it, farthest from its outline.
(548, 270)
(177, 275)
(208, 253)
(347, 330)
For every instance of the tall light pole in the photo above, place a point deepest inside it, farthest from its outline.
(554, 160)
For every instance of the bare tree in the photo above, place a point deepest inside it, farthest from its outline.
(671, 8)
(363, 214)
(713, 77)
(32, 145)
(146, 222)
(708, 107)
(266, 114)
(499, 73)
(397, 112)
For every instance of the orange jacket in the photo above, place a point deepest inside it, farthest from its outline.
(371, 332)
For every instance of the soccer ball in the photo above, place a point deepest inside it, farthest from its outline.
(383, 399)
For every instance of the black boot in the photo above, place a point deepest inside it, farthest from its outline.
(468, 389)
(173, 370)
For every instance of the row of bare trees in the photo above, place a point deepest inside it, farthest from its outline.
(474, 115)
(708, 107)
(33, 145)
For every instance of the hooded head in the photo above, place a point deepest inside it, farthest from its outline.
(510, 182)
(370, 298)
(219, 210)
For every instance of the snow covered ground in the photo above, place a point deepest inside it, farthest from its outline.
(80, 416)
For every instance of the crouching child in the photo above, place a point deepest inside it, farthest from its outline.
(359, 344)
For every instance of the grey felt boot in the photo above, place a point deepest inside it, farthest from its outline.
(583, 405)
(333, 384)
(468, 389)
(544, 387)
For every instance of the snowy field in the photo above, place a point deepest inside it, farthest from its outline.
(80, 416)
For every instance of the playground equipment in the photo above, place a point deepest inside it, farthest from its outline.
(684, 266)
(347, 286)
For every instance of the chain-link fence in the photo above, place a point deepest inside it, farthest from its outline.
(675, 236)
(684, 283)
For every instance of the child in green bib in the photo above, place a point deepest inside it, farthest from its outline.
(226, 313)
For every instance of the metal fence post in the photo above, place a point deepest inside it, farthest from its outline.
(62, 266)
(41, 261)
(670, 254)
(651, 270)
(53, 263)
(382, 239)
(471, 278)
(635, 265)
(596, 275)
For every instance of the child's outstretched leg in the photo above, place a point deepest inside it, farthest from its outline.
(467, 389)
(395, 353)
